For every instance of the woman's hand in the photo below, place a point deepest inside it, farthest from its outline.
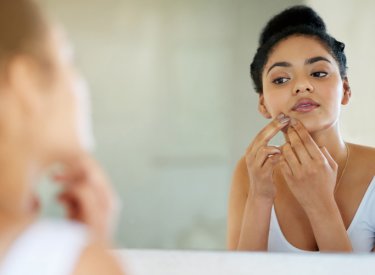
(309, 171)
(261, 159)
(88, 197)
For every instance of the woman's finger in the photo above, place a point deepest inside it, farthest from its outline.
(264, 153)
(87, 172)
(285, 168)
(268, 132)
(298, 147)
(310, 145)
(332, 163)
(291, 159)
(85, 204)
(271, 162)
(70, 206)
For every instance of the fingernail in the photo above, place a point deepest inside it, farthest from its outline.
(282, 118)
(293, 122)
(275, 152)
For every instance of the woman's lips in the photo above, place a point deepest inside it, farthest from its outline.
(305, 106)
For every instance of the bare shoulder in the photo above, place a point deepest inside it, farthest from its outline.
(362, 148)
(95, 260)
(362, 157)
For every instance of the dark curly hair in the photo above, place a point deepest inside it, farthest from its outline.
(296, 20)
(23, 30)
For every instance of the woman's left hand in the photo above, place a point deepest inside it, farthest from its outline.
(309, 171)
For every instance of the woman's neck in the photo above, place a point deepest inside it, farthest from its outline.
(331, 139)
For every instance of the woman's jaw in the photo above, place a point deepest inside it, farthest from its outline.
(318, 128)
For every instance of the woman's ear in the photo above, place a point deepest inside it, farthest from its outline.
(347, 92)
(262, 107)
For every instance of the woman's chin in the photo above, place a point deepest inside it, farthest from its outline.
(314, 126)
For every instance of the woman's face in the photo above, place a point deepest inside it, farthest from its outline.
(302, 80)
(67, 106)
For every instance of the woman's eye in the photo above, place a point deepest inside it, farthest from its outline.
(280, 80)
(319, 74)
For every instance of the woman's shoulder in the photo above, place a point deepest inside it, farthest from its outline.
(362, 148)
(362, 158)
(362, 152)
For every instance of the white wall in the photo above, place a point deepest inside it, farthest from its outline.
(353, 22)
(174, 107)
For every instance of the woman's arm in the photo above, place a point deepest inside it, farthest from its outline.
(310, 173)
(253, 191)
(237, 202)
(255, 225)
(329, 229)
(248, 218)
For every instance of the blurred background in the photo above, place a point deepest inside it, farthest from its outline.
(174, 107)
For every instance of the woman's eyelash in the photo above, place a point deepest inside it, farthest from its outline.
(319, 74)
(280, 80)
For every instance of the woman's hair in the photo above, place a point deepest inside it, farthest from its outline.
(23, 29)
(297, 20)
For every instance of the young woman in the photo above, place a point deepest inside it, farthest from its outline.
(316, 192)
(39, 128)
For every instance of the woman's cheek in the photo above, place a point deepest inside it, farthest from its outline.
(275, 106)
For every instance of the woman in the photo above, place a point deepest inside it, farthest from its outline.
(39, 128)
(316, 191)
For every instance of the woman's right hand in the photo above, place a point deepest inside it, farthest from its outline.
(261, 159)
(88, 197)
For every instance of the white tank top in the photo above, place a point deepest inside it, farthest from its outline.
(361, 231)
(46, 247)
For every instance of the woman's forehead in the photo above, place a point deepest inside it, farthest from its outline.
(296, 49)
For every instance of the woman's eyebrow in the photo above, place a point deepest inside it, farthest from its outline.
(316, 59)
(279, 64)
(307, 62)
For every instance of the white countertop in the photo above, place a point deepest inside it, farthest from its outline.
(168, 262)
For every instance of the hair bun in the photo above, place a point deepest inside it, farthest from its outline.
(292, 17)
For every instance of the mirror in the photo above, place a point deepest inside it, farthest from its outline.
(174, 107)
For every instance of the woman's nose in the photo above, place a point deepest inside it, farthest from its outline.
(302, 85)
